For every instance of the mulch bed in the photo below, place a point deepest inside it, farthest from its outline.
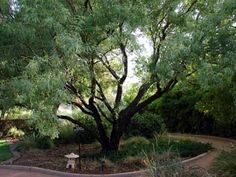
(54, 159)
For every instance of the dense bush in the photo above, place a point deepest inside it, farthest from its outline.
(145, 124)
(35, 141)
(44, 142)
(68, 133)
(189, 109)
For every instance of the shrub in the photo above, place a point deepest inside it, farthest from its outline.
(44, 142)
(27, 142)
(145, 124)
(225, 164)
(15, 133)
(67, 134)
(34, 141)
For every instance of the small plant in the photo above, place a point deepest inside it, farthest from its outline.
(15, 133)
(225, 164)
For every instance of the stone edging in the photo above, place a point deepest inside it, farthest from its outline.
(127, 174)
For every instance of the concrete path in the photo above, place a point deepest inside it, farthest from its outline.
(204, 161)
(218, 144)
(19, 173)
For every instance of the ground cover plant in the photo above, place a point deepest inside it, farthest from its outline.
(139, 146)
(5, 152)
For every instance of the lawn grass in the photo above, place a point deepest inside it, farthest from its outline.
(5, 152)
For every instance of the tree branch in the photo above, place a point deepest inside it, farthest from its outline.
(119, 91)
(142, 90)
(104, 99)
(82, 109)
(156, 95)
(108, 66)
(104, 114)
(71, 4)
(87, 5)
(72, 88)
(191, 6)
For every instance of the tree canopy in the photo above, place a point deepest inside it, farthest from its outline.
(78, 52)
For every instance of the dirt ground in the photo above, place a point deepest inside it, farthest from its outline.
(54, 159)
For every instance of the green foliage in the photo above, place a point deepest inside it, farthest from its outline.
(136, 140)
(18, 113)
(45, 44)
(15, 133)
(225, 164)
(145, 124)
(27, 142)
(178, 110)
(5, 152)
(140, 146)
(169, 165)
(44, 142)
(190, 108)
(66, 134)
(35, 141)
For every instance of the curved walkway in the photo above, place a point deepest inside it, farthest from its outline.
(203, 161)
(218, 144)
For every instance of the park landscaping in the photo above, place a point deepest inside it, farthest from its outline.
(133, 155)
(114, 75)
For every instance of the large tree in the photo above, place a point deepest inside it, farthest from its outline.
(78, 51)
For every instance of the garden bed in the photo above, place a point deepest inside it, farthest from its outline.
(132, 155)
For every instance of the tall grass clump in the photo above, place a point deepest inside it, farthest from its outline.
(225, 164)
(169, 165)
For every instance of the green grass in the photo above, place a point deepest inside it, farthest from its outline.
(139, 146)
(5, 152)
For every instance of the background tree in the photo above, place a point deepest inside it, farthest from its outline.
(85, 46)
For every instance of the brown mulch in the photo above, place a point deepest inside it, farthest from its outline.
(54, 159)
